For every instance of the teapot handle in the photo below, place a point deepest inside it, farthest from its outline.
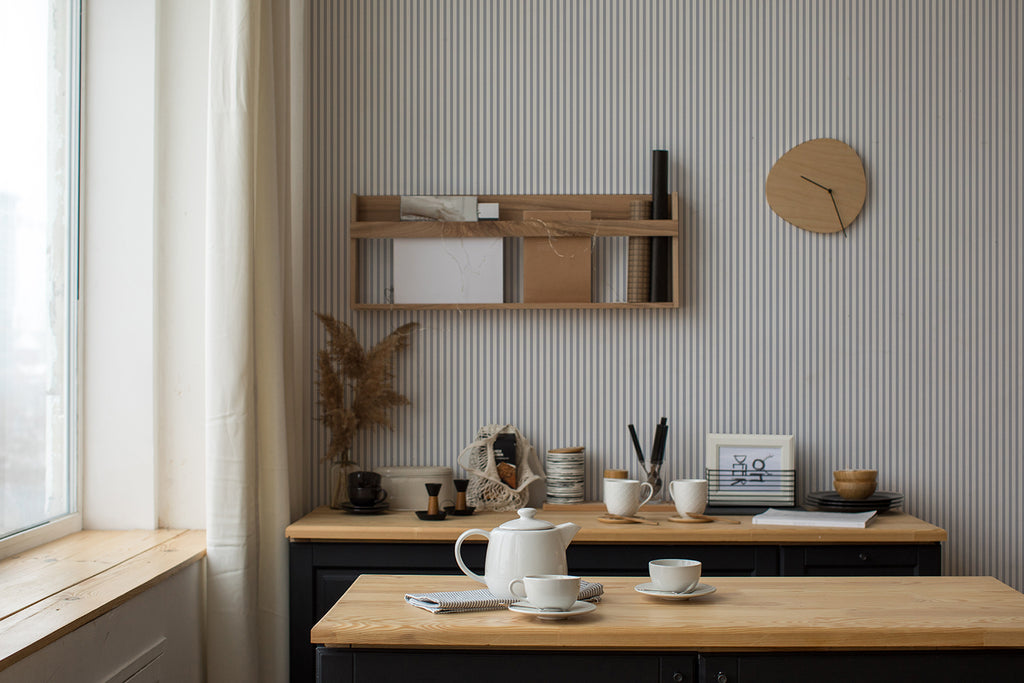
(458, 552)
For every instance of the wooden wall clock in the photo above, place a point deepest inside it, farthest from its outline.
(819, 186)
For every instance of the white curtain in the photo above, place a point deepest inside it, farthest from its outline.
(254, 322)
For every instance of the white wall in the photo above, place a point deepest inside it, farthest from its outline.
(117, 279)
(182, 50)
(142, 265)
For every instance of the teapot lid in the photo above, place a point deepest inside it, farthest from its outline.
(526, 522)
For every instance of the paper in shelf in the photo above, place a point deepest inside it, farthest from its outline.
(556, 269)
(446, 270)
(638, 266)
(850, 520)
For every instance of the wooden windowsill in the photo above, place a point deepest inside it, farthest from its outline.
(49, 591)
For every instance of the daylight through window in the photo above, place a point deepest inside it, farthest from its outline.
(38, 260)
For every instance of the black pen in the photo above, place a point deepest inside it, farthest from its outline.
(636, 447)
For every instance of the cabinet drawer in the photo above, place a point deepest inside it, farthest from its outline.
(396, 558)
(877, 560)
(861, 556)
(631, 560)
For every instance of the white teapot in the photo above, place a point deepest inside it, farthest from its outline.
(517, 548)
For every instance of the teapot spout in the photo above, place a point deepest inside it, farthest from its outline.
(567, 531)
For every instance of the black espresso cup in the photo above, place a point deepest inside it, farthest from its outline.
(366, 496)
(363, 479)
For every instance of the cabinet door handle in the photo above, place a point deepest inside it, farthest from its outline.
(864, 557)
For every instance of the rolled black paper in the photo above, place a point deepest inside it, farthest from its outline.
(659, 184)
(661, 257)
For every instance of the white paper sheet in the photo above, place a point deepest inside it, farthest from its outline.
(856, 520)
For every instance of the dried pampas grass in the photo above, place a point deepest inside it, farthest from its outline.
(355, 385)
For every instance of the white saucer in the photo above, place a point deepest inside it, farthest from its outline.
(649, 589)
(579, 607)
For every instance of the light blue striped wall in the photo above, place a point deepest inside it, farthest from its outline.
(897, 348)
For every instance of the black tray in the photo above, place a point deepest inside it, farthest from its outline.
(831, 501)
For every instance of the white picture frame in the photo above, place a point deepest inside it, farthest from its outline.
(751, 469)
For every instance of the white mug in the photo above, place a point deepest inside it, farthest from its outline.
(624, 497)
(547, 591)
(689, 495)
(677, 576)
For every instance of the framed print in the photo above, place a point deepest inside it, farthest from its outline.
(751, 469)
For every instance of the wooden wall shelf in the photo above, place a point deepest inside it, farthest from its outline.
(378, 217)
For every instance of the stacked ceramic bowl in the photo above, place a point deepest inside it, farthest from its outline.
(855, 484)
(566, 475)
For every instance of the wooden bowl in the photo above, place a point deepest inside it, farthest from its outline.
(854, 490)
(855, 475)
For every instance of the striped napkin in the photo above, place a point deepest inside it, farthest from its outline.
(448, 602)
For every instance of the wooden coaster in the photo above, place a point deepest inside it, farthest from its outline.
(617, 520)
(688, 520)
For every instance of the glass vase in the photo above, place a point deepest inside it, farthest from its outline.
(339, 483)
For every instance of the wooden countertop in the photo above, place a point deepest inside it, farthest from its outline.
(745, 614)
(325, 524)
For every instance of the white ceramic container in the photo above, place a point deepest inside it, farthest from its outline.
(517, 548)
(626, 496)
(689, 495)
(676, 576)
(406, 490)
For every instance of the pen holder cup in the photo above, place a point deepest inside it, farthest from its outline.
(654, 479)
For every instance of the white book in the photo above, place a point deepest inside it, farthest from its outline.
(852, 520)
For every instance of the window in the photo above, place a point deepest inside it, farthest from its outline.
(39, 76)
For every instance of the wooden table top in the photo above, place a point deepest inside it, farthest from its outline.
(325, 524)
(745, 614)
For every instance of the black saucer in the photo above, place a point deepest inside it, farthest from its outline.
(365, 509)
(450, 509)
(422, 514)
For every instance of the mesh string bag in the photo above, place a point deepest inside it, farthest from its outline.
(486, 489)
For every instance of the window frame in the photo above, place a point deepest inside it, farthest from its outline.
(58, 527)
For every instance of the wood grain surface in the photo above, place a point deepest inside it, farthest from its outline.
(798, 185)
(745, 614)
(377, 217)
(386, 208)
(325, 524)
(39, 572)
(128, 563)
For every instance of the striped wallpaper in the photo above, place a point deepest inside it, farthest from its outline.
(897, 347)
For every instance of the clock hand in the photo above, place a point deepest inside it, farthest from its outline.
(838, 215)
(814, 183)
(833, 198)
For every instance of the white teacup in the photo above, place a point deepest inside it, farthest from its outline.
(678, 576)
(625, 496)
(689, 495)
(547, 591)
